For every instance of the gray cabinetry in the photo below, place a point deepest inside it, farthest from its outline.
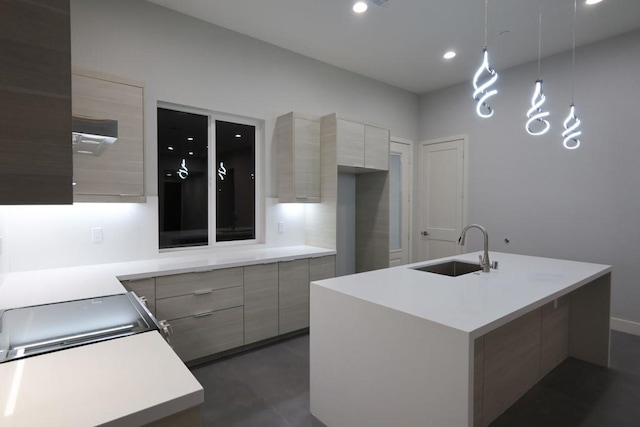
(260, 302)
(322, 268)
(35, 103)
(204, 309)
(144, 288)
(298, 142)
(376, 147)
(293, 291)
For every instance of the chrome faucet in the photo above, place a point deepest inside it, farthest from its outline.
(484, 259)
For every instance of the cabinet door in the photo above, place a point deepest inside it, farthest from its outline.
(144, 288)
(350, 143)
(298, 141)
(201, 282)
(260, 302)
(208, 333)
(103, 167)
(293, 291)
(35, 103)
(376, 148)
(322, 268)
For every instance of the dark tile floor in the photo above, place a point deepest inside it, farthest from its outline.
(269, 387)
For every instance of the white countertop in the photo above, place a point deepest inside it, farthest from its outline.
(63, 284)
(126, 381)
(474, 303)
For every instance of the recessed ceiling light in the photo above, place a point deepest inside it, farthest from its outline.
(238, 135)
(593, 1)
(360, 7)
(191, 153)
(190, 138)
(450, 54)
(169, 174)
(170, 148)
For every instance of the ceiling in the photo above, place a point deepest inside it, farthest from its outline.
(402, 42)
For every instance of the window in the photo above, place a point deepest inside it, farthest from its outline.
(200, 155)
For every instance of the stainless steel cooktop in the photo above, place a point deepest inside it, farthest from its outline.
(29, 331)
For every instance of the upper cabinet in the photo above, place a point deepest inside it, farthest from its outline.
(108, 138)
(359, 145)
(35, 103)
(298, 141)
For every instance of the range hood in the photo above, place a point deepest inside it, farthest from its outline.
(93, 136)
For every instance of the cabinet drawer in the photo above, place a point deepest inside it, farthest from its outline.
(144, 288)
(195, 337)
(322, 268)
(198, 303)
(188, 283)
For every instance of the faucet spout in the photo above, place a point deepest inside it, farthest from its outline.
(484, 259)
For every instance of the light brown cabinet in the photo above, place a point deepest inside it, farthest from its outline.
(293, 292)
(359, 146)
(205, 311)
(108, 138)
(260, 302)
(298, 142)
(35, 103)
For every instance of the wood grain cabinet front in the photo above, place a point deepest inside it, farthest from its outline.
(108, 138)
(260, 302)
(293, 291)
(298, 142)
(35, 103)
(204, 309)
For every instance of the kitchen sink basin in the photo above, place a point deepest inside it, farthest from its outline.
(450, 268)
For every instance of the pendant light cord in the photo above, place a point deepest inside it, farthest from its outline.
(573, 60)
(486, 16)
(539, 39)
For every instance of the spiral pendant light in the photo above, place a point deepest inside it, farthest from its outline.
(537, 123)
(571, 124)
(483, 91)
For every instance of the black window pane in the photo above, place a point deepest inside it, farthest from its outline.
(235, 176)
(182, 178)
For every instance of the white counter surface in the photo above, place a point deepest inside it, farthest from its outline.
(474, 303)
(64, 284)
(126, 381)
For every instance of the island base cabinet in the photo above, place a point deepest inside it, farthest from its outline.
(202, 335)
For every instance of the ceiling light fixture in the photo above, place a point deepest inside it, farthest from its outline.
(238, 135)
(183, 171)
(191, 153)
(360, 7)
(190, 138)
(170, 148)
(537, 116)
(481, 93)
(572, 122)
(449, 55)
(590, 2)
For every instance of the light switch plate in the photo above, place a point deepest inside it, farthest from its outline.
(281, 227)
(96, 234)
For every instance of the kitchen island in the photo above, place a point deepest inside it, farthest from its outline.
(405, 347)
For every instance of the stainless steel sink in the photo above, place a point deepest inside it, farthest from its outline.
(450, 268)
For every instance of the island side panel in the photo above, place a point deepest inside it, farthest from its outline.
(374, 366)
(589, 321)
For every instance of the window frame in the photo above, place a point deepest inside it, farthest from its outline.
(259, 182)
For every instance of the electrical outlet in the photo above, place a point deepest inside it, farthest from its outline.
(96, 234)
(281, 227)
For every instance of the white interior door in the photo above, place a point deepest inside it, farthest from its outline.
(399, 203)
(441, 197)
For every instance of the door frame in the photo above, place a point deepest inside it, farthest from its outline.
(410, 189)
(465, 179)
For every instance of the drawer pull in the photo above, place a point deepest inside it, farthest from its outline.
(204, 292)
(206, 313)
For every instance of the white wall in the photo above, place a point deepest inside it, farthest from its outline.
(186, 61)
(549, 201)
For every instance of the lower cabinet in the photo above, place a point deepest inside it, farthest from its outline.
(214, 311)
(260, 302)
(208, 333)
(293, 292)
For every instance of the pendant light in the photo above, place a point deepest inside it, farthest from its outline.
(571, 124)
(537, 123)
(481, 91)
